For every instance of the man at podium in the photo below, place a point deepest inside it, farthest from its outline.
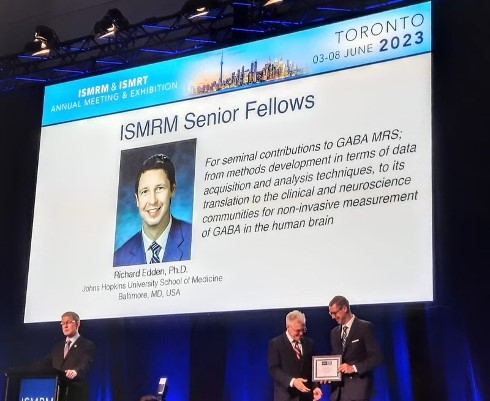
(72, 358)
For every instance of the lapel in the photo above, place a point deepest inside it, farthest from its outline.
(352, 334)
(289, 349)
(337, 338)
(137, 250)
(174, 240)
(69, 354)
(73, 348)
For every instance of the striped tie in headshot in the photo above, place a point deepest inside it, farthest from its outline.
(155, 248)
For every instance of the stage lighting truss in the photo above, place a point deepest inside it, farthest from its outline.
(156, 39)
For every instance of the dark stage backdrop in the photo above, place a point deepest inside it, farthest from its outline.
(436, 351)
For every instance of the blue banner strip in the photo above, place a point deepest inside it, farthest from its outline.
(379, 37)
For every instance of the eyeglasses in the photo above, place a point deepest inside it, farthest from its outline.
(302, 330)
(67, 322)
(334, 312)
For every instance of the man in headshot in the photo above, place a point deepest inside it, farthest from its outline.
(162, 238)
(289, 359)
(72, 357)
(355, 340)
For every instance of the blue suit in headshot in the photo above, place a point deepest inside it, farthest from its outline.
(154, 188)
(178, 246)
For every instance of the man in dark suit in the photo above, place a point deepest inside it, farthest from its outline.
(72, 358)
(289, 360)
(163, 238)
(355, 340)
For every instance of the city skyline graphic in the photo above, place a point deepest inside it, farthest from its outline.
(243, 76)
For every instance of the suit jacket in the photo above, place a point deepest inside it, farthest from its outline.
(178, 246)
(284, 365)
(361, 349)
(79, 358)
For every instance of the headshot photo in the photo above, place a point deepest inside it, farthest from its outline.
(155, 204)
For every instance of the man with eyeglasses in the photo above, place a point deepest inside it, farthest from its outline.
(72, 358)
(355, 340)
(289, 360)
(163, 238)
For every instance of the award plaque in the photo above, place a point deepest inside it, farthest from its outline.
(325, 368)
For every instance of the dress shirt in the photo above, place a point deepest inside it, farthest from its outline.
(292, 345)
(349, 325)
(161, 240)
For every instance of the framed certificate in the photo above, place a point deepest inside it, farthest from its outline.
(325, 368)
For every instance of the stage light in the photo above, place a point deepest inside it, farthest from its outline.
(267, 3)
(45, 40)
(193, 9)
(113, 22)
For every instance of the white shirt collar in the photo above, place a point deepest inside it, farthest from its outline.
(72, 339)
(161, 240)
(349, 323)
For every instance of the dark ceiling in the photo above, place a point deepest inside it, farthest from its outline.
(159, 38)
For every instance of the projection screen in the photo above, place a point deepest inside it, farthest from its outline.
(302, 171)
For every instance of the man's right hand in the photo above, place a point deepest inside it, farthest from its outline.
(299, 383)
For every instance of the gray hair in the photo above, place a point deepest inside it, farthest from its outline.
(295, 316)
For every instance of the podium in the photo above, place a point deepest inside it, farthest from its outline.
(24, 384)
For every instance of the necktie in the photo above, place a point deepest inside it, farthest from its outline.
(155, 248)
(297, 349)
(67, 348)
(344, 337)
